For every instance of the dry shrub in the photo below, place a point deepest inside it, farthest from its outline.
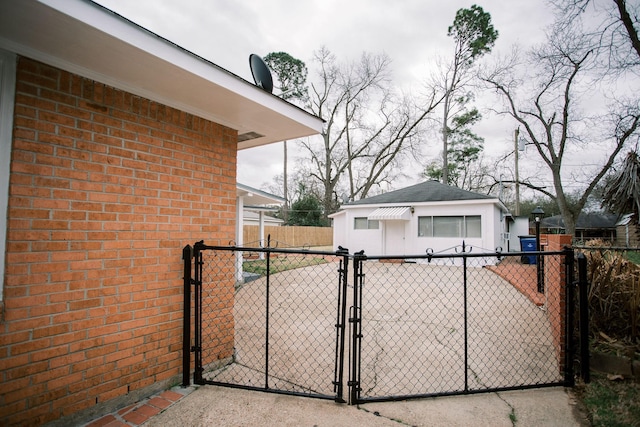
(614, 294)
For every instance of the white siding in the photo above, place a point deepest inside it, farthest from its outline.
(7, 93)
(401, 237)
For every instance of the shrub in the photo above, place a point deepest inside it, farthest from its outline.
(614, 294)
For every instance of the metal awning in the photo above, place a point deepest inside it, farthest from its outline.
(402, 213)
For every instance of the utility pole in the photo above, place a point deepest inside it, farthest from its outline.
(285, 185)
(517, 134)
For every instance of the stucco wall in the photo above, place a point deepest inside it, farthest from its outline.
(105, 190)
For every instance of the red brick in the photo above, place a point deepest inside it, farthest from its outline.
(26, 370)
(51, 330)
(24, 390)
(107, 420)
(84, 156)
(171, 395)
(115, 392)
(68, 338)
(50, 374)
(135, 417)
(27, 301)
(48, 309)
(147, 410)
(160, 402)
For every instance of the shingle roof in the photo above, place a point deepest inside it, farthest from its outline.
(593, 220)
(429, 191)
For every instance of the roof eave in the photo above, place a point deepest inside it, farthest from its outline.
(438, 202)
(87, 39)
(253, 196)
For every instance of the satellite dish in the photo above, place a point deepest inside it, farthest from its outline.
(261, 73)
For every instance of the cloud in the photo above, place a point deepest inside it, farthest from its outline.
(412, 32)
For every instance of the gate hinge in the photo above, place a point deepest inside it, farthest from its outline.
(194, 349)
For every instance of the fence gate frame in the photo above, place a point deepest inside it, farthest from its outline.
(192, 326)
(350, 358)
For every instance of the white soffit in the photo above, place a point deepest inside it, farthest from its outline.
(254, 197)
(402, 213)
(87, 39)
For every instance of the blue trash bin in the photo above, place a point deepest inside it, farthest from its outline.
(528, 244)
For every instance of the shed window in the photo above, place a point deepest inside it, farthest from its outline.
(363, 223)
(449, 226)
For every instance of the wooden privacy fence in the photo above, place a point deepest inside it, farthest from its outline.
(294, 236)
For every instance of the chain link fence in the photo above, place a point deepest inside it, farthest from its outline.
(318, 323)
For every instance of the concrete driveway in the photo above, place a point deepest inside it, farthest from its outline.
(224, 407)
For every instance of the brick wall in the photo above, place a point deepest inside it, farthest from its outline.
(106, 188)
(555, 290)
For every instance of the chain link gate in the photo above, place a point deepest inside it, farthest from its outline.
(438, 325)
(276, 320)
(270, 319)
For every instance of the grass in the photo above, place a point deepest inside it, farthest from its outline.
(611, 403)
(633, 256)
(280, 264)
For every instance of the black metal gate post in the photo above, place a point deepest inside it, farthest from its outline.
(355, 319)
(583, 289)
(197, 347)
(187, 253)
(266, 319)
(466, 320)
(569, 316)
(343, 272)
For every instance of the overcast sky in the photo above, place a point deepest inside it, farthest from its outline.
(411, 32)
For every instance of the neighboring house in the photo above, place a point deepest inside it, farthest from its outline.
(253, 218)
(427, 216)
(254, 204)
(117, 149)
(519, 227)
(589, 226)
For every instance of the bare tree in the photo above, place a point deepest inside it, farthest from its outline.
(367, 128)
(615, 33)
(401, 136)
(546, 104)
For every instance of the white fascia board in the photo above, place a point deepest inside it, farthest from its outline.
(423, 204)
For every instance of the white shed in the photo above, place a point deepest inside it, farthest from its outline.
(427, 216)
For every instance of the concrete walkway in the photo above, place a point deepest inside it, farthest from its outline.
(139, 412)
(219, 406)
